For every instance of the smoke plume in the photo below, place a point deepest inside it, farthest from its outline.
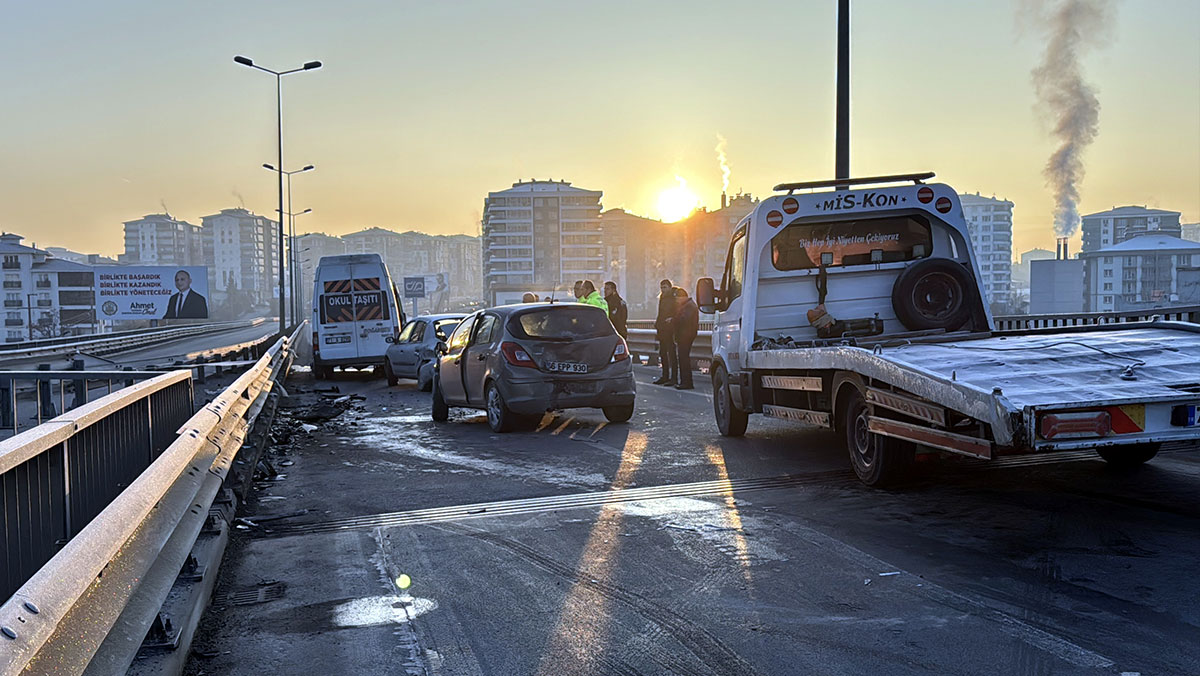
(1071, 26)
(241, 200)
(721, 144)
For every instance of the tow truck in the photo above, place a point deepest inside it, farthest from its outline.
(854, 304)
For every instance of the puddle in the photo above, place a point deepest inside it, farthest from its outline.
(373, 611)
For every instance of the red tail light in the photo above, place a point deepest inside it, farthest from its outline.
(1076, 425)
(316, 344)
(516, 355)
(619, 353)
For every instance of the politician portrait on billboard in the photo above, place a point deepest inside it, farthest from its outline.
(186, 303)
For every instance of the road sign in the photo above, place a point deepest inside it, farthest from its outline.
(414, 287)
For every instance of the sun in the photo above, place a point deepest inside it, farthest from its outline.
(677, 203)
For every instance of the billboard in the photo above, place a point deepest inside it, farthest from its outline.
(152, 292)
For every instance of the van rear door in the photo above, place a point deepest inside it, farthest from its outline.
(336, 314)
(373, 321)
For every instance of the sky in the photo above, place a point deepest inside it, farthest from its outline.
(112, 110)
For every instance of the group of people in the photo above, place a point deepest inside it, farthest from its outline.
(677, 323)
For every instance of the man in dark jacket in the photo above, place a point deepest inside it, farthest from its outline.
(687, 324)
(663, 324)
(618, 311)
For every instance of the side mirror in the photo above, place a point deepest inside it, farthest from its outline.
(441, 348)
(706, 295)
(389, 339)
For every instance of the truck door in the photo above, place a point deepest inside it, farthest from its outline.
(335, 310)
(372, 316)
(727, 332)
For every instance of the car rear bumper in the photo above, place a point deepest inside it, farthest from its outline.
(543, 395)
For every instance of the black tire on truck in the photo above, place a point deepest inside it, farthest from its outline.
(876, 459)
(936, 293)
(731, 421)
(1128, 457)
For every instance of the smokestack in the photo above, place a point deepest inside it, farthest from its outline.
(724, 200)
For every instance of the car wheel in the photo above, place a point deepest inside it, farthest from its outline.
(499, 417)
(439, 411)
(1128, 457)
(731, 421)
(877, 460)
(388, 373)
(618, 414)
(425, 376)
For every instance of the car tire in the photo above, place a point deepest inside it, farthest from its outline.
(936, 293)
(500, 418)
(731, 420)
(388, 373)
(425, 377)
(618, 414)
(1128, 457)
(439, 409)
(877, 460)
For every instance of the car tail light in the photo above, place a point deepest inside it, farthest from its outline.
(517, 356)
(620, 352)
(316, 344)
(1076, 425)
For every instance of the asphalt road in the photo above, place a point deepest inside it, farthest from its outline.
(589, 548)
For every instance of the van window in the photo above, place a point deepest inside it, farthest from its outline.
(799, 246)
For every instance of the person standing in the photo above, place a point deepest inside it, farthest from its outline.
(578, 290)
(591, 297)
(687, 325)
(666, 333)
(618, 310)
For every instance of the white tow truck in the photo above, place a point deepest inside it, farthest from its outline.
(855, 307)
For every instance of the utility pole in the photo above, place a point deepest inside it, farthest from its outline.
(842, 142)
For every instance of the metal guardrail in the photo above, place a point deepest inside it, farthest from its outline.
(103, 343)
(643, 338)
(123, 485)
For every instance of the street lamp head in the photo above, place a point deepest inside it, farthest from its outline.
(267, 166)
(311, 65)
(306, 211)
(243, 60)
(308, 168)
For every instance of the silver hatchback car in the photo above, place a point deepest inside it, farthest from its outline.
(518, 361)
(411, 352)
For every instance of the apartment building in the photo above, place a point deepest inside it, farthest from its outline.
(989, 222)
(242, 255)
(1107, 228)
(160, 239)
(1140, 273)
(44, 296)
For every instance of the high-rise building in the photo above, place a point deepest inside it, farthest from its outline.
(541, 236)
(44, 296)
(989, 222)
(160, 239)
(1140, 273)
(705, 238)
(243, 250)
(1106, 228)
(638, 253)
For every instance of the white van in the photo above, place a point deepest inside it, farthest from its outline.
(354, 312)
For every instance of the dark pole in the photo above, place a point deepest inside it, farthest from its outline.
(279, 118)
(842, 143)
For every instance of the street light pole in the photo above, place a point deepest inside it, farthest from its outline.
(842, 144)
(311, 65)
(291, 234)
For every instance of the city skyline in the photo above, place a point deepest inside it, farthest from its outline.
(410, 128)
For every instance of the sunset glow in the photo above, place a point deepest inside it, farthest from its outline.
(676, 203)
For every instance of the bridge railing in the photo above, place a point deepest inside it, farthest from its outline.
(103, 343)
(101, 505)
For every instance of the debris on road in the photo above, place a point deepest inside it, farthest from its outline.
(894, 572)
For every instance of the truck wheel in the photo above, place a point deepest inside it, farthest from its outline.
(618, 414)
(440, 411)
(500, 418)
(877, 460)
(731, 421)
(1128, 457)
(936, 293)
(388, 373)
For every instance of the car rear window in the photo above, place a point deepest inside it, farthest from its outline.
(564, 322)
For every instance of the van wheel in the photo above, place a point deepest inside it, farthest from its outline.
(439, 411)
(618, 414)
(499, 417)
(388, 373)
(731, 421)
(1128, 457)
(877, 460)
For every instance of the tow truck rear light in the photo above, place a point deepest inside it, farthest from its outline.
(1076, 425)
(620, 353)
(516, 355)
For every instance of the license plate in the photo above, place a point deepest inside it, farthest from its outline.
(336, 340)
(566, 366)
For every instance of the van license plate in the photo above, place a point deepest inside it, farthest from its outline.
(566, 367)
(336, 340)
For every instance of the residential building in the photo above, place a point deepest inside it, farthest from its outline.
(44, 296)
(1106, 228)
(1190, 232)
(541, 235)
(76, 257)
(989, 222)
(1020, 271)
(1056, 286)
(310, 248)
(1139, 273)
(242, 255)
(638, 254)
(160, 239)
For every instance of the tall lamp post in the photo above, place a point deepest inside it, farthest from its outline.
(311, 65)
(292, 233)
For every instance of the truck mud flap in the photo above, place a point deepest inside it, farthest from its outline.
(940, 439)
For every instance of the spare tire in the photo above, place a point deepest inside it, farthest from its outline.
(936, 293)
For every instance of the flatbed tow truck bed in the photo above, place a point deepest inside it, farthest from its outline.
(1007, 379)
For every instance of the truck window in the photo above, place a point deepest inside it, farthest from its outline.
(735, 267)
(858, 242)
